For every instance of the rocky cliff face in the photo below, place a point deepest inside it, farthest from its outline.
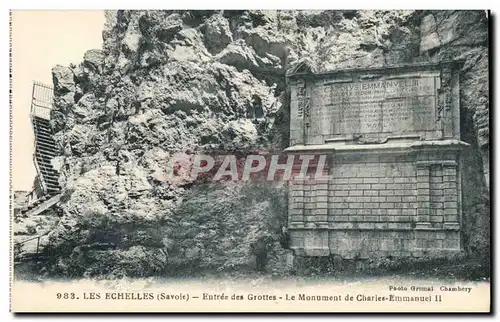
(204, 81)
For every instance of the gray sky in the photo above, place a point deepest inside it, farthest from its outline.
(40, 40)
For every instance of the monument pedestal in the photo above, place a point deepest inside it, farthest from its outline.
(397, 199)
(393, 143)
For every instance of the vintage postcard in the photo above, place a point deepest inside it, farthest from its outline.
(250, 161)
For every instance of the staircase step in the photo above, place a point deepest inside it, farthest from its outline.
(47, 170)
(42, 151)
(51, 142)
(43, 156)
(52, 187)
(45, 165)
(42, 126)
(43, 159)
(43, 162)
(42, 130)
(45, 152)
(49, 145)
(45, 147)
(52, 181)
(48, 174)
(45, 138)
(41, 120)
(46, 157)
(50, 178)
(52, 184)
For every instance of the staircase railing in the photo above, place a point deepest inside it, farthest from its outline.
(37, 237)
(40, 111)
(42, 100)
(41, 180)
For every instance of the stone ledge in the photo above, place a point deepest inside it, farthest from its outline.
(299, 72)
(316, 251)
(343, 147)
(436, 162)
(451, 227)
(352, 254)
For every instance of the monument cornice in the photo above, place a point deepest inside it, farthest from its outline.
(377, 148)
(304, 71)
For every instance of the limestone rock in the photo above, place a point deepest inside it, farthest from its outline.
(94, 59)
(239, 55)
(63, 79)
(217, 33)
(168, 27)
(131, 42)
(462, 27)
(243, 130)
(428, 34)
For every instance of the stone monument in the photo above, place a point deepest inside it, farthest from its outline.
(392, 136)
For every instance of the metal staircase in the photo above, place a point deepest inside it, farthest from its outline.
(45, 146)
(46, 191)
(30, 248)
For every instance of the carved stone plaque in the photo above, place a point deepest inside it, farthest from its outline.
(381, 106)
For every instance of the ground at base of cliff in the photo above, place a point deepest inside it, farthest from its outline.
(459, 269)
